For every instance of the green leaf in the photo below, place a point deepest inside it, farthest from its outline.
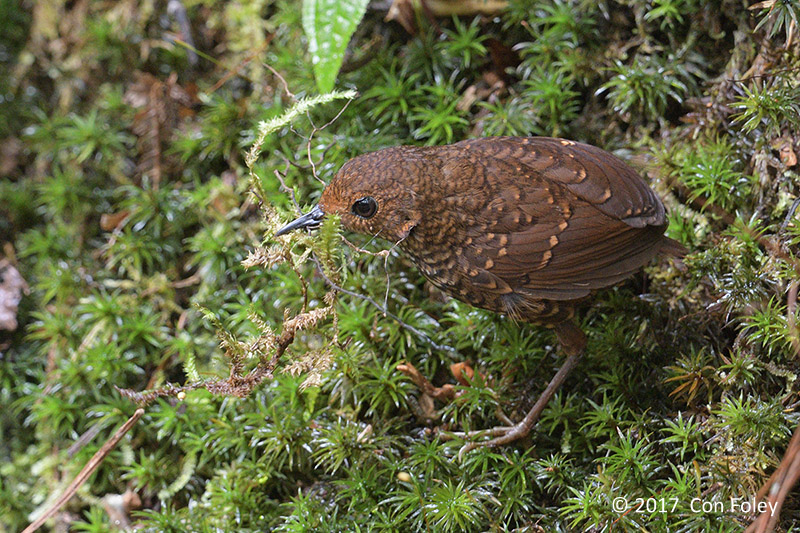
(329, 24)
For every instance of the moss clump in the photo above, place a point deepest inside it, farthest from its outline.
(132, 202)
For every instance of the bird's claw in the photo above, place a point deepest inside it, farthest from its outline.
(501, 435)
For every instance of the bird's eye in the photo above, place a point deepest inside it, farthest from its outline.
(365, 207)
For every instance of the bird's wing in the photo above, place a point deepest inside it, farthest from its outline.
(588, 172)
(548, 234)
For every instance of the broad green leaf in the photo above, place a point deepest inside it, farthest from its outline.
(329, 24)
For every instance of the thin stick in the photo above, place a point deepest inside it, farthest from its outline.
(777, 487)
(791, 314)
(283, 81)
(235, 70)
(311, 136)
(87, 471)
(786, 475)
(290, 191)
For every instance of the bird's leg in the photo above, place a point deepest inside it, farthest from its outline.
(573, 342)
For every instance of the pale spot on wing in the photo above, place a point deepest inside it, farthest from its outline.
(545, 259)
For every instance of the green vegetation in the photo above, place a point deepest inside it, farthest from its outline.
(145, 177)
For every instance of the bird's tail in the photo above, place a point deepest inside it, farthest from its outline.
(672, 247)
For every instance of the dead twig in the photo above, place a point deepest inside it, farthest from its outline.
(311, 136)
(283, 81)
(87, 471)
(235, 70)
(787, 474)
(236, 384)
(777, 488)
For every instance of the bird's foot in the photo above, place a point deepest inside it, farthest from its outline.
(506, 434)
(444, 393)
(501, 435)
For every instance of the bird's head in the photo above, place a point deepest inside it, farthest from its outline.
(373, 194)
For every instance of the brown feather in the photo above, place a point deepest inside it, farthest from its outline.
(525, 226)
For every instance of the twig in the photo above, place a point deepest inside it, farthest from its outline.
(297, 165)
(176, 9)
(235, 384)
(235, 70)
(789, 215)
(791, 313)
(787, 473)
(356, 248)
(311, 136)
(334, 119)
(308, 155)
(303, 284)
(87, 471)
(283, 81)
(386, 270)
(84, 439)
(187, 282)
(777, 487)
(287, 189)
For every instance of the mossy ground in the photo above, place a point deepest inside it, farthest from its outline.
(127, 204)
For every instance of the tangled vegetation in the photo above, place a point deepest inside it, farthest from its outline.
(141, 188)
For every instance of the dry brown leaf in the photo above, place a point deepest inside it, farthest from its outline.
(462, 372)
(119, 507)
(785, 147)
(111, 221)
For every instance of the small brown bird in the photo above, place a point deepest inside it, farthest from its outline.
(529, 227)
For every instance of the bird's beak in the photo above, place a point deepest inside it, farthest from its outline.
(309, 220)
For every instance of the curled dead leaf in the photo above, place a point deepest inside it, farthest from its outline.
(112, 221)
(785, 147)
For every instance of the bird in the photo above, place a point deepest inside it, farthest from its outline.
(528, 227)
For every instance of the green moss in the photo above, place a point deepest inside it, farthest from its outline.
(687, 389)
